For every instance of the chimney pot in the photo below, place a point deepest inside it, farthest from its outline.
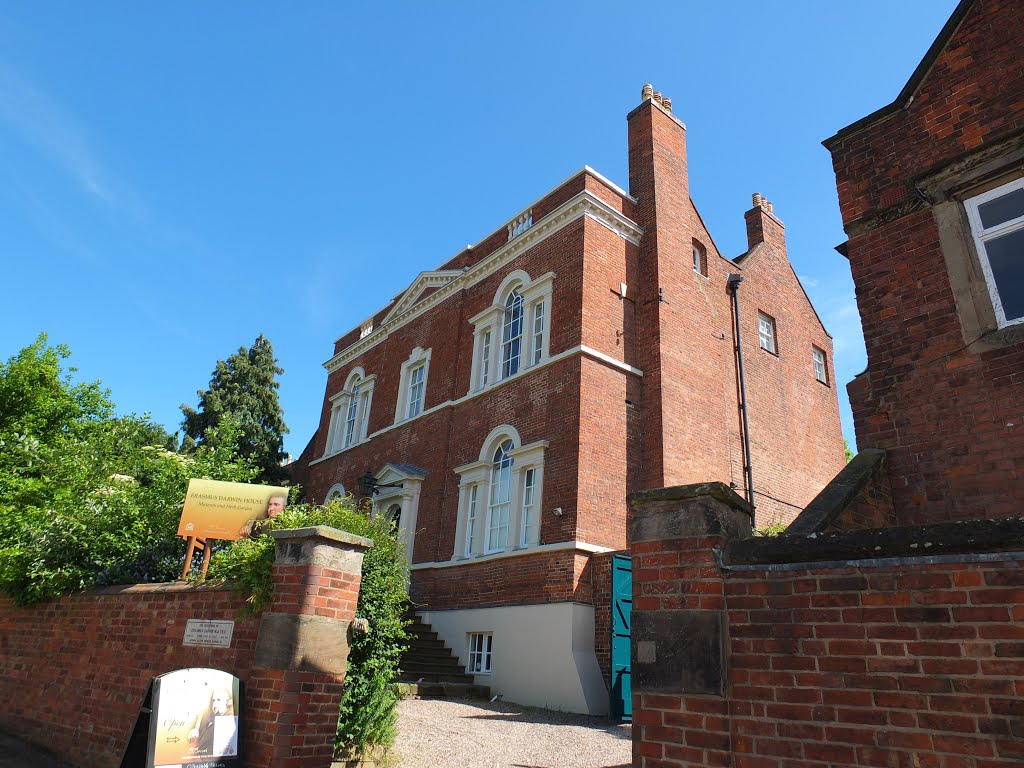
(756, 197)
(657, 96)
(666, 102)
(647, 92)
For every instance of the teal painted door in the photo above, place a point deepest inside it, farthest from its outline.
(621, 705)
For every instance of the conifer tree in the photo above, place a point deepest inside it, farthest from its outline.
(244, 386)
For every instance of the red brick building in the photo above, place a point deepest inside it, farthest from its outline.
(931, 189)
(510, 399)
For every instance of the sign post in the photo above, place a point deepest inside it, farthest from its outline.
(217, 510)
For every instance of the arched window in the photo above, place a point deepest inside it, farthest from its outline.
(350, 412)
(500, 496)
(337, 492)
(395, 515)
(352, 416)
(512, 334)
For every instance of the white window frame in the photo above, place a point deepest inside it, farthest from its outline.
(479, 653)
(337, 491)
(357, 394)
(512, 341)
(820, 362)
(499, 498)
(417, 385)
(419, 358)
(767, 333)
(982, 236)
(475, 519)
(489, 343)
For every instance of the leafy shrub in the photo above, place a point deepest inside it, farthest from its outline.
(370, 697)
(86, 496)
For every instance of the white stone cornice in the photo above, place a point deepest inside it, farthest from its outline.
(583, 204)
(600, 357)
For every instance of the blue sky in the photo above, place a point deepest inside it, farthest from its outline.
(177, 178)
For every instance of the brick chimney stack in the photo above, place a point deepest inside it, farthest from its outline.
(763, 226)
(659, 181)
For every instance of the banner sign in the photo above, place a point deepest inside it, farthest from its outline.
(196, 720)
(219, 510)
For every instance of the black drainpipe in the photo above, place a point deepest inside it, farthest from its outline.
(732, 286)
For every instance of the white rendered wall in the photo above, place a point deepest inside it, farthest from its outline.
(543, 655)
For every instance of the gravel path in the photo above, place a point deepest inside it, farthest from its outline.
(461, 734)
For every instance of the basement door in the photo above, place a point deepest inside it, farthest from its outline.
(621, 704)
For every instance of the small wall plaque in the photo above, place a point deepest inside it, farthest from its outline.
(215, 634)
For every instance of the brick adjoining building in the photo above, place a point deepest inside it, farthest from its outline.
(931, 189)
(508, 401)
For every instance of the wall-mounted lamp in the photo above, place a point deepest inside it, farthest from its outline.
(557, 512)
(368, 485)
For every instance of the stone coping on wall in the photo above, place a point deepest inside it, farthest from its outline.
(214, 585)
(839, 493)
(323, 532)
(956, 539)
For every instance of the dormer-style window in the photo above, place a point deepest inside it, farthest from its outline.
(513, 333)
(997, 223)
(350, 412)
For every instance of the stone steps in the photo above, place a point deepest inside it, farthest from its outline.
(430, 670)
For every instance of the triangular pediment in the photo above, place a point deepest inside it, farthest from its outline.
(424, 285)
(395, 473)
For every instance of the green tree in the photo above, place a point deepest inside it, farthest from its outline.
(243, 387)
(86, 496)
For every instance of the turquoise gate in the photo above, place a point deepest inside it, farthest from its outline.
(621, 705)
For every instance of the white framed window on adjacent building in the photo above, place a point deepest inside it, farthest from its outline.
(350, 412)
(997, 224)
(766, 333)
(500, 496)
(513, 333)
(820, 364)
(478, 653)
(412, 387)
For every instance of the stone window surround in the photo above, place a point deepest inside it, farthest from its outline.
(534, 292)
(478, 473)
(407, 497)
(416, 358)
(336, 491)
(948, 189)
(339, 411)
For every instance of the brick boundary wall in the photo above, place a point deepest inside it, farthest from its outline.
(903, 662)
(74, 670)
